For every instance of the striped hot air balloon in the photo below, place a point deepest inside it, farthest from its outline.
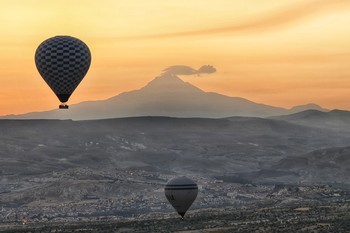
(181, 193)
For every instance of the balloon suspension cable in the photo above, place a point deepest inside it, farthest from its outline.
(63, 106)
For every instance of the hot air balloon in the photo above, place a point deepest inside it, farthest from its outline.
(63, 61)
(181, 193)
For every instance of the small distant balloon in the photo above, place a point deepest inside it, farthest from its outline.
(181, 193)
(63, 61)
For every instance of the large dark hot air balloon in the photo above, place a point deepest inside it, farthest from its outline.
(63, 61)
(181, 193)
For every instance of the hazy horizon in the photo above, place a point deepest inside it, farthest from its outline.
(283, 53)
(168, 95)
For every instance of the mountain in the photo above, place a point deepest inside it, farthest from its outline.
(338, 120)
(166, 95)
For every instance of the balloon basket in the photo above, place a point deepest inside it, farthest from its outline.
(63, 106)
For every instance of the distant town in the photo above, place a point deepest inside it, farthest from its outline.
(227, 205)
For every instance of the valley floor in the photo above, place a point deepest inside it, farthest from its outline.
(331, 216)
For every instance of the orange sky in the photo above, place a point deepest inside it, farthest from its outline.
(281, 53)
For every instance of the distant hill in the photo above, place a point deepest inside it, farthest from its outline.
(305, 107)
(338, 120)
(323, 166)
(326, 165)
(194, 145)
(166, 95)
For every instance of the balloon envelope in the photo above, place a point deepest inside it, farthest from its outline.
(181, 193)
(63, 61)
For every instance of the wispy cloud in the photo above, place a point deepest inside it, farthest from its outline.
(270, 20)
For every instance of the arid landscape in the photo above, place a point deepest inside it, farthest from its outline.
(253, 173)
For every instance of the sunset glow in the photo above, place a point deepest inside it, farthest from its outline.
(281, 53)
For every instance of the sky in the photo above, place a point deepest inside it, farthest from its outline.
(277, 52)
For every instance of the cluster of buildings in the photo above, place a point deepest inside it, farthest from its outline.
(141, 192)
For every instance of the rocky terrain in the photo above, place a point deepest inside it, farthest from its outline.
(327, 215)
(110, 174)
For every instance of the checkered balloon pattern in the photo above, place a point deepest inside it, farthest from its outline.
(63, 61)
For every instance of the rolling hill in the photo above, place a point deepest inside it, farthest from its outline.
(192, 145)
(54, 161)
(338, 120)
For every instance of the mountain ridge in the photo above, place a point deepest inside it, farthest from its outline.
(338, 120)
(165, 95)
